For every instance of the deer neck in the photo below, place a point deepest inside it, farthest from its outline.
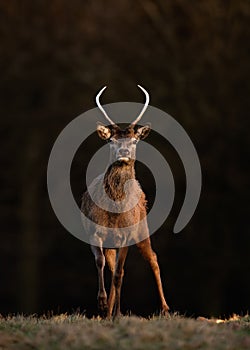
(115, 178)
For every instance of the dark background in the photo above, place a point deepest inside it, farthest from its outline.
(193, 58)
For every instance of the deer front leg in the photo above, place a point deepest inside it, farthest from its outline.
(122, 253)
(148, 253)
(110, 255)
(102, 296)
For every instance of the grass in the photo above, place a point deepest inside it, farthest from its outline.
(129, 332)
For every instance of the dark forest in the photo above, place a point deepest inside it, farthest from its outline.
(193, 58)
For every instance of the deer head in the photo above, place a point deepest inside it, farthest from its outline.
(123, 141)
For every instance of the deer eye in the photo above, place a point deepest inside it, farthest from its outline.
(113, 141)
(135, 142)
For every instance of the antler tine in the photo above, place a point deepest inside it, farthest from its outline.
(144, 107)
(100, 106)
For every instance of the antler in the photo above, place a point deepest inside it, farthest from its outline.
(144, 107)
(111, 121)
(100, 106)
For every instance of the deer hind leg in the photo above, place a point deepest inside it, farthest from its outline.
(121, 257)
(148, 253)
(102, 296)
(110, 255)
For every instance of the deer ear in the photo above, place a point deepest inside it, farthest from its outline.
(103, 131)
(143, 132)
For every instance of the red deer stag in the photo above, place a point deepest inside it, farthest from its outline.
(105, 226)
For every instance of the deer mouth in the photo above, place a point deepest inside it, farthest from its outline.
(123, 159)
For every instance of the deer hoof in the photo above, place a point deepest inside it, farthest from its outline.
(117, 316)
(103, 306)
(165, 311)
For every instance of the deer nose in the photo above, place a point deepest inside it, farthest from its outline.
(124, 152)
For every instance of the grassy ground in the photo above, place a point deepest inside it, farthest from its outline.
(77, 332)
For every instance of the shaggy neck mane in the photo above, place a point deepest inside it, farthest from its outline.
(116, 177)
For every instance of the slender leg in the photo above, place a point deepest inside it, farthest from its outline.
(110, 255)
(122, 253)
(148, 253)
(102, 296)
